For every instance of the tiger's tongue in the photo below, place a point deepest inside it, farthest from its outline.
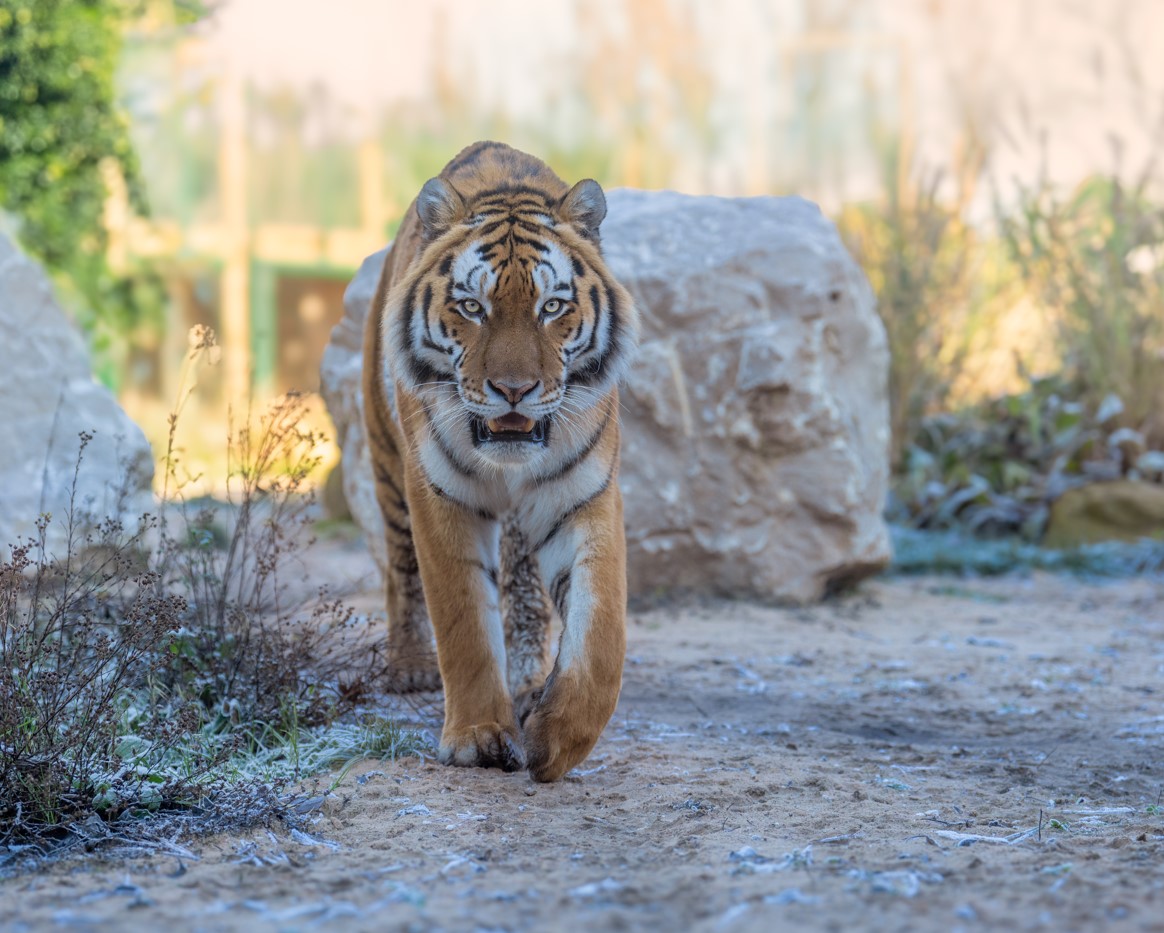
(514, 421)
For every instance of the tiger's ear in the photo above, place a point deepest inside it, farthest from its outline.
(439, 207)
(584, 206)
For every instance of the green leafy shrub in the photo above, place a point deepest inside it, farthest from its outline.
(61, 129)
(995, 468)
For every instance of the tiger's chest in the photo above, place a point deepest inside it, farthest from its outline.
(534, 495)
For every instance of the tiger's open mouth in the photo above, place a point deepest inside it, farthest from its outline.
(514, 427)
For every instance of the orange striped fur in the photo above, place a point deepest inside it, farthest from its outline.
(495, 343)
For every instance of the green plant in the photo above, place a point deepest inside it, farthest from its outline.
(936, 282)
(62, 129)
(1095, 259)
(995, 468)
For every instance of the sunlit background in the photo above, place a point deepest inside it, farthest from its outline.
(201, 179)
(958, 144)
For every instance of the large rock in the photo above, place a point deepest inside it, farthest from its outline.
(48, 397)
(1121, 510)
(756, 420)
(339, 384)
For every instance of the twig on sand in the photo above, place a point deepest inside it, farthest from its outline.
(1042, 761)
(839, 840)
(966, 839)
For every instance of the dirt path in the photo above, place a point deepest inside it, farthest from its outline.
(833, 768)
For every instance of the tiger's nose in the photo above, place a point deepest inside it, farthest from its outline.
(513, 394)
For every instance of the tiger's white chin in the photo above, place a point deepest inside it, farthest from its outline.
(510, 455)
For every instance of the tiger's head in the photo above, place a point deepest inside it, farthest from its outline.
(509, 322)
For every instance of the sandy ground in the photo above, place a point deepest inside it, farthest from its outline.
(881, 762)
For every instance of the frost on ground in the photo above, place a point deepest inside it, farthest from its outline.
(921, 755)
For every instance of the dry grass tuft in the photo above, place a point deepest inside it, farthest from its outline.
(179, 669)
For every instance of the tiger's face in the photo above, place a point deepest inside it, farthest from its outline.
(512, 326)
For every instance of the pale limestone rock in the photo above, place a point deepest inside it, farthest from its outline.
(48, 396)
(339, 384)
(756, 418)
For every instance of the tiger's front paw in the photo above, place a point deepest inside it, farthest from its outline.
(557, 737)
(484, 745)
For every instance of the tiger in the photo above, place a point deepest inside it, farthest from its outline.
(494, 347)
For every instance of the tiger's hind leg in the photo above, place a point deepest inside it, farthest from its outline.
(527, 614)
(412, 656)
(412, 659)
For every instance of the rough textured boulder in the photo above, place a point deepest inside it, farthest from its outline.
(48, 397)
(339, 378)
(756, 420)
(1122, 510)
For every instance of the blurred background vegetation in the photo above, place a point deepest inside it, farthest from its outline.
(63, 131)
(991, 165)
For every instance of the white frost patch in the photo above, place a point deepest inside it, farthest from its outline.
(732, 914)
(305, 839)
(750, 862)
(463, 818)
(966, 839)
(902, 883)
(752, 682)
(791, 896)
(596, 888)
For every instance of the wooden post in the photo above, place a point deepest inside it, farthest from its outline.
(235, 337)
(116, 216)
(373, 207)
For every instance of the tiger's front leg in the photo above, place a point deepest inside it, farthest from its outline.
(456, 548)
(584, 564)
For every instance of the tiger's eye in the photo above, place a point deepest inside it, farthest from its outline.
(470, 307)
(552, 306)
